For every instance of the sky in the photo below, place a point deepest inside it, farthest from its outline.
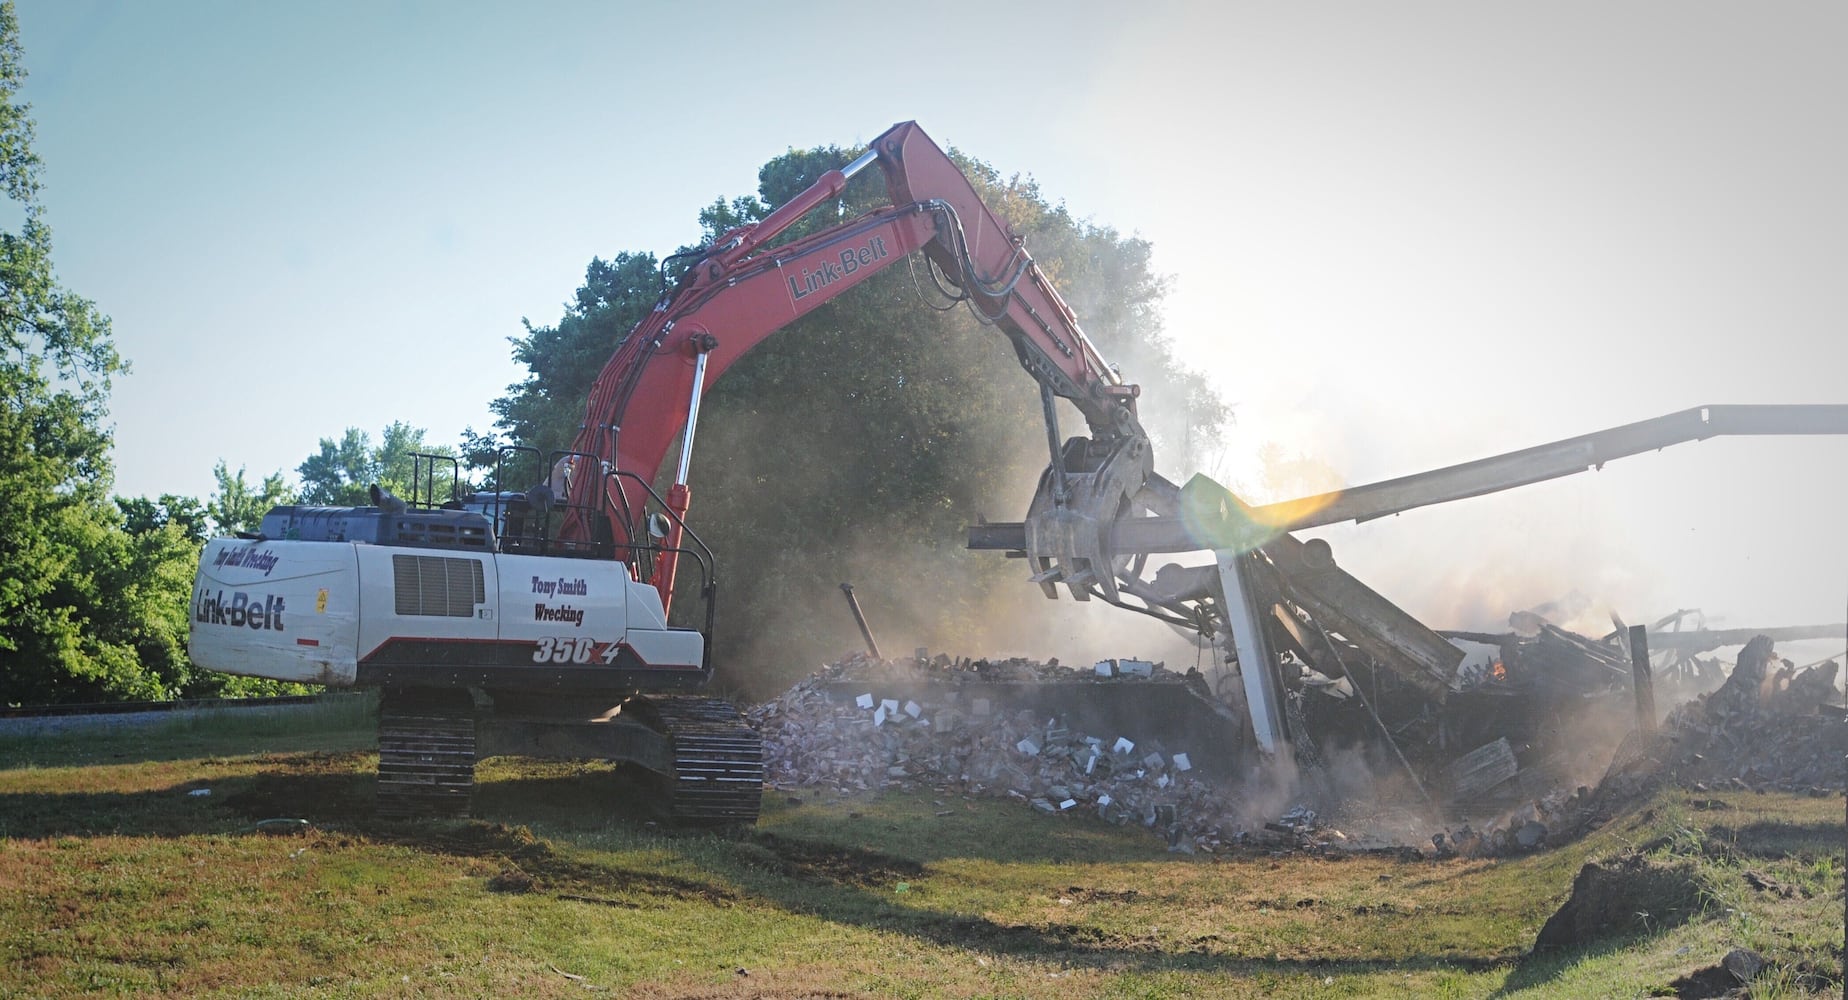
(1399, 236)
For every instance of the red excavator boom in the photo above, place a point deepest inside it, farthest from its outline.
(745, 287)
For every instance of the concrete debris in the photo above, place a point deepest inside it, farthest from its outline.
(1760, 736)
(827, 743)
(1054, 739)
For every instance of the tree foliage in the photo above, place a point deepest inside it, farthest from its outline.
(239, 506)
(78, 593)
(94, 590)
(545, 409)
(341, 472)
(141, 515)
(857, 442)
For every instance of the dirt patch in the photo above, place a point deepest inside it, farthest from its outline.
(337, 790)
(987, 935)
(836, 865)
(324, 789)
(1081, 894)
(1629, 894)
(531, 864)
(1702, 984)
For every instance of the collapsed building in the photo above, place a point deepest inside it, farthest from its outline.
(1515, 754)
(1332, 704)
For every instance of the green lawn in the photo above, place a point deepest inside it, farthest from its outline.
(114, 879)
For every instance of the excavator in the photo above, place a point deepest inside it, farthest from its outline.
(535, 622)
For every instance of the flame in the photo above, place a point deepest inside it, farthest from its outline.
(1498, 671)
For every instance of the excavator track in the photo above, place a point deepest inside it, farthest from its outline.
(426, 755)
(718, 776)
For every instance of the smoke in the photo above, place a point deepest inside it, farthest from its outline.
(1469, 564)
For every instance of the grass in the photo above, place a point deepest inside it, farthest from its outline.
(114, 879)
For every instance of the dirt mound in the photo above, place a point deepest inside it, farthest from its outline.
(1628, 894)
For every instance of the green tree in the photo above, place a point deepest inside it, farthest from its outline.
(341, 473)
(78, 593)
(857, 442)
(545, 409)
(141, 515)
(238, 505)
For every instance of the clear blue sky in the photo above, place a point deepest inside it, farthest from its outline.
(1400, 235)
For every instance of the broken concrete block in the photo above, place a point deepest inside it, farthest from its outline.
(1067, 803)
(865, 700)
(1153, 761)
(1105, 668)
(1123, 746)
(1028, 747)
(1104, 800)
(980, 706)
(913, 709)
(879, 717)
(1044, 806)
(1136, 668)
(1744, 964)
(1182, 763)
(890, 705)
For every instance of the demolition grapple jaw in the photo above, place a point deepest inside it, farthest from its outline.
(1079, 499)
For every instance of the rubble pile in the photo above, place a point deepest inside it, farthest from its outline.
(1769, 726)
(955, 739)
(1029, 731)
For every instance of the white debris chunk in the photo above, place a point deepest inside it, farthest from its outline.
(865, 700)
(1182, 763)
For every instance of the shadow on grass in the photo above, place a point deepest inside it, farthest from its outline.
(857, 887)
(1543, 967)
(1780, 840)
(832, 877)
(320, 787)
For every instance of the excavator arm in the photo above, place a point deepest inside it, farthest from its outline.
(1550, 461)
(746, 287)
